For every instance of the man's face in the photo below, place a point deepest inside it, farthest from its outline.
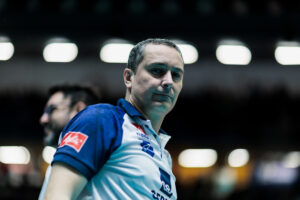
(158, 79)
(56, 115)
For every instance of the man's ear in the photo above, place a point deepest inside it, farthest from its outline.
(79, 106)
(128, 75)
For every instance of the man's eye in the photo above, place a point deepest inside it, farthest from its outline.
(157, 71)
(50, 109)
(176, 76)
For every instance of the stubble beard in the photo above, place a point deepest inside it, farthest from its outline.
(51, 139)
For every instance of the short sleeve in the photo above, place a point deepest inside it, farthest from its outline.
(89, 139)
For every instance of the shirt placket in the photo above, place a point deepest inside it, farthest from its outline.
(147, 127)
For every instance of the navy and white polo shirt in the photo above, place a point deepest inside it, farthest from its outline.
(119, 153)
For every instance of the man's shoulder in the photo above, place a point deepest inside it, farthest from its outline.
(102, 109)
(95, 117)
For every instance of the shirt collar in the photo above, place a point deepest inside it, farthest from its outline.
(129, 108)
(133, 112)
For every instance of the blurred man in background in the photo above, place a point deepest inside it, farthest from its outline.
(64, 102)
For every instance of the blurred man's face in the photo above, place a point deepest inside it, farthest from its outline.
(56, 115)
(158, 80)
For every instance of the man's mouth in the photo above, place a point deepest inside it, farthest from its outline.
(47, 131)
(163, 96)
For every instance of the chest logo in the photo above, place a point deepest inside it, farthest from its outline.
(166, 183)
(146, 147)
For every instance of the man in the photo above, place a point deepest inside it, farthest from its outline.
(118, 152)
(64, 102)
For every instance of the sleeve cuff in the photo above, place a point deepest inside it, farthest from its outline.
(74, 163)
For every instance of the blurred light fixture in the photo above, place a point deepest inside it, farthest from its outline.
(288, 53)
(136, 6)
(60, 50)
(240, 7)
(189, 52)
(292, 160)
(48, 153)
(14, 155)
(68, 6)
(232, 52)
(274, 7)
(274, 173)
(205, 7)
(170, 7)
(6, 48)
(102, 6)
(115, 51)
(197, 158)
(3, 5)
(238, 158)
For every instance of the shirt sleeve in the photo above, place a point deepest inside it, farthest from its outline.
(89, 139)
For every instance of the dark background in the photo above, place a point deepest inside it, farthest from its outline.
(221, 106)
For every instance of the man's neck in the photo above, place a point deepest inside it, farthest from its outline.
(156, 124)
(156, 119)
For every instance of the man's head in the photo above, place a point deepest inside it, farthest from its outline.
(137, 53)
(64, 102)
(154, 76)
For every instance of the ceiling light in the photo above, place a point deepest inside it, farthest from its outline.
(6, 48)
(238, 158)
(48, 153)
(233, 53)
(197, 158)
(60, 51)
(288, 53)
(14, 155)
(115, 51)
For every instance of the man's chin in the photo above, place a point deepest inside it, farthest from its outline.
(49, 140)
(163, 106)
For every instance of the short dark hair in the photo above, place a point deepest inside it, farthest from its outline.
(77, 93)
(137, 53)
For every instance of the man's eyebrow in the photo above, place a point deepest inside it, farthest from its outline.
(177, 69)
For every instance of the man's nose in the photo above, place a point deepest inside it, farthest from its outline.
(167, 80)
(44, 118)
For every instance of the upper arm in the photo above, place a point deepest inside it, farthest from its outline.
(64, 183)
(88, 140)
